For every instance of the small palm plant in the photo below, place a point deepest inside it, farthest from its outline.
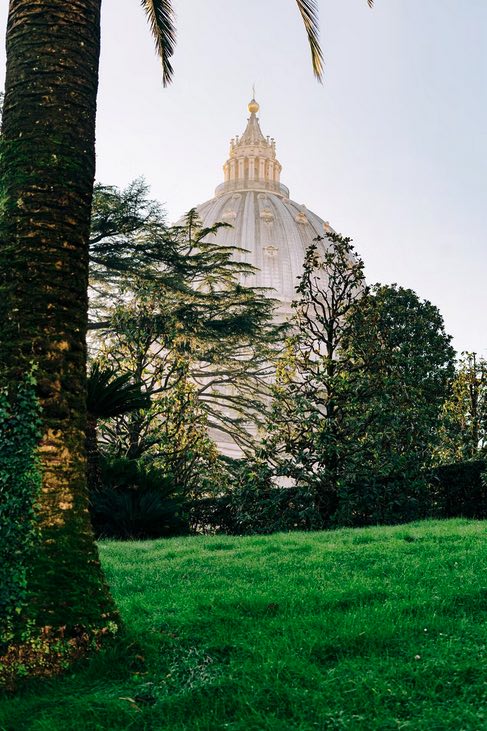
(137, 501)
(108, 395)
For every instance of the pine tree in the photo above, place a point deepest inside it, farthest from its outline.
(175, 312)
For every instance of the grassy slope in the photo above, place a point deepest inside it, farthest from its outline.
(383, 628)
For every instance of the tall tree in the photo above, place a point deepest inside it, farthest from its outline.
(463, 426)
(47, 173)
(404, 365)
(309, 432)
(172, 310)
(358, 397)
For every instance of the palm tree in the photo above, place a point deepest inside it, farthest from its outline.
(108, 395)
(46, 185)
(47, 177)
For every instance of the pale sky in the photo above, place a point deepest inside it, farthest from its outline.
(392, 149)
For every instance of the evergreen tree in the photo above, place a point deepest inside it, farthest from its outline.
(357, 399)
(174, 312)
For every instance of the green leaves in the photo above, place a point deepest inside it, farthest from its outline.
(19, 486)
(109, 394)
(309, 14)
(359, 390)
(160, 15)
(172, 305)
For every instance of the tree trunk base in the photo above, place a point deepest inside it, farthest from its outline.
(49, 652)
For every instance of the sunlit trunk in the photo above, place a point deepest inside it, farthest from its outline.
(48, 165)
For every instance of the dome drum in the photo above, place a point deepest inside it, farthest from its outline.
(231, 186)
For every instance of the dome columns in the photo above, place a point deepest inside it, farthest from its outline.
(251, 168)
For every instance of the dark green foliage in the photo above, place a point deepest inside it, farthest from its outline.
(459, 490)
(398, 343)
(109, 394)
(19, 486)
(383, 500)
(358, 392)
(135, 501)
(172, 309)
(253, 504)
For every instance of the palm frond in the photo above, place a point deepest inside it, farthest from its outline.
(309, 14)
(160, 15)
(109, 394)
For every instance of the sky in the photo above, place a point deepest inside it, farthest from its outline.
(391, 149)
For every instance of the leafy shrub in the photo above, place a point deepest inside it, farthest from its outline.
(20, 481)
(267, 509)
(459, 490)
(382, 500)
(254, 504)
(136, 502)
(212, 515)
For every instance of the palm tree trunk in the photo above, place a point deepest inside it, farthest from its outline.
(47, 174)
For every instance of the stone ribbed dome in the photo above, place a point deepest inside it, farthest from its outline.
(275, 230)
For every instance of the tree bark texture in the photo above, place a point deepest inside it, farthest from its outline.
(47, 175)
(93, 467)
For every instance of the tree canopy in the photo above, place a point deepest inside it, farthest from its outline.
(360, 389)
(172, 308)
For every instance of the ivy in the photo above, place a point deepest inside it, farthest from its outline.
(20, 481)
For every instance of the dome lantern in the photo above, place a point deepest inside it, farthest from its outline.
(252, 163)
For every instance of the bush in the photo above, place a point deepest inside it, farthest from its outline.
(136, 502)
(382, 500)
(458, 490)
(253, 504)
(20, 481)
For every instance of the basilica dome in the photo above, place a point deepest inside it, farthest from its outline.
(271, 231)
(274, 230)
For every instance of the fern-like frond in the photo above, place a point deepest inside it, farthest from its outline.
(109, 394)
(160, 15)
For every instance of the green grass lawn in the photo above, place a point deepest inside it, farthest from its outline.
(381, 628)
